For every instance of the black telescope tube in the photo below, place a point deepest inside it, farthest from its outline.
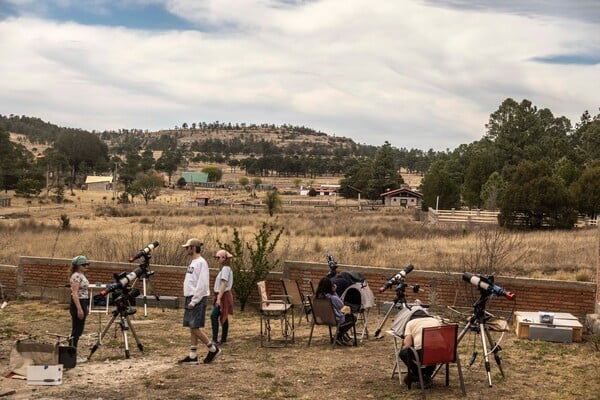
(144, 251)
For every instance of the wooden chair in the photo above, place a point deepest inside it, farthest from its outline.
(275, 309)
(324, 314)
(291, 288)
(439, 346)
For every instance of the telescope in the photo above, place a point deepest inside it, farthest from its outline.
(487, 285)
(397, 279)
(332, 265)
(123, 279)
(144, 252)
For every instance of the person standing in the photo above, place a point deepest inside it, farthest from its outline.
(80, 299)
(196, 290)
(223, 304)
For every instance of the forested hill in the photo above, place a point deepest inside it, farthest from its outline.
(212, 137)
(220, 142)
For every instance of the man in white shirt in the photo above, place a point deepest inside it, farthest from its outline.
(196, 291)
(413, 335)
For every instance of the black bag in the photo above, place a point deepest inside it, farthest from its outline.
(67, 356)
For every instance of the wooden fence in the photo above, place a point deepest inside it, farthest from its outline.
(462, 216)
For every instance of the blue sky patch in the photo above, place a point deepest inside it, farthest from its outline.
(578, 59)
(128, 15)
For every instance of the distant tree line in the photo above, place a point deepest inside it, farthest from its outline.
(533, 167)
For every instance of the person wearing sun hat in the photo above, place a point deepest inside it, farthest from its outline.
(223, 303)
(80, 299)
(196, 289)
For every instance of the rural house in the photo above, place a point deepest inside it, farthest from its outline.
(402, 197)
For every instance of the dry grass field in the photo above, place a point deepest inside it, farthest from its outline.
(371, 237)
(533, 370)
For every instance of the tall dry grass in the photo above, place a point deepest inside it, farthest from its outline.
(382, 238)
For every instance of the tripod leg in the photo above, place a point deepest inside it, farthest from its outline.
(486, 356)
(135, 336)
(124, 328)
(495, 350)
(385, 317)
(145, 297)
(101, 335)
(156, 296)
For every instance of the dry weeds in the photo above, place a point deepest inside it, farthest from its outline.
(380, 238)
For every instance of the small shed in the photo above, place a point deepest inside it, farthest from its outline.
(402, 197)
(201, 199)
(99, 183)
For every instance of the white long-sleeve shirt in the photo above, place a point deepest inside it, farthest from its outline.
(197, 280)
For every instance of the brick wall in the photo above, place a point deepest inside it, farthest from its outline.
(8, 279)
(47, 278)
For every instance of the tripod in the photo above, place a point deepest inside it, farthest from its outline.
(477, 323)
(122, 311)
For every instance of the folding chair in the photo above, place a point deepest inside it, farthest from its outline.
(323, 314)
(292, 289)
(275, 309)
(439, 346)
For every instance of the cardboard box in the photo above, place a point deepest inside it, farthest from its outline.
(48, 375)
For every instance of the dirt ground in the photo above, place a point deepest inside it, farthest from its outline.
(534, 370)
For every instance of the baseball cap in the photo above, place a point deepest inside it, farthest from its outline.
(223, 253)
(79, 260)
(193, 242)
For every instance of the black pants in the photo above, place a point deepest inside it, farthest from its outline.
(77, 324)
(349, 321)
(408, 357)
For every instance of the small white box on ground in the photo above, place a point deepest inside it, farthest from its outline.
(48, 375)
(546, 317)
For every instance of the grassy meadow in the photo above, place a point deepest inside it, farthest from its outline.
(371, 237)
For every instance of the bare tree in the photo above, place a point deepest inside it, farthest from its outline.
(496, 250)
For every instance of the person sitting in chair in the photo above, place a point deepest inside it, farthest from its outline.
(343, 315)
(413, 334)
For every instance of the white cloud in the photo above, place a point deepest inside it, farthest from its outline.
(414, 75)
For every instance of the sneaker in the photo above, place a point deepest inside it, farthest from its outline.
(81, 360)
(188, 360)
(212, 355)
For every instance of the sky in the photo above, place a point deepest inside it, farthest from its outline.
(423, 74)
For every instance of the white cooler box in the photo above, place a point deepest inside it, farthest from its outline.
(49, 375)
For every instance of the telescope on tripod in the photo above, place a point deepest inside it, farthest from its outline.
(399, 302)
(124, 298)
(479, 321)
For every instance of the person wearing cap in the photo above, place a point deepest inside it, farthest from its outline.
(223, 303)
(196, 289)
(80, 299)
